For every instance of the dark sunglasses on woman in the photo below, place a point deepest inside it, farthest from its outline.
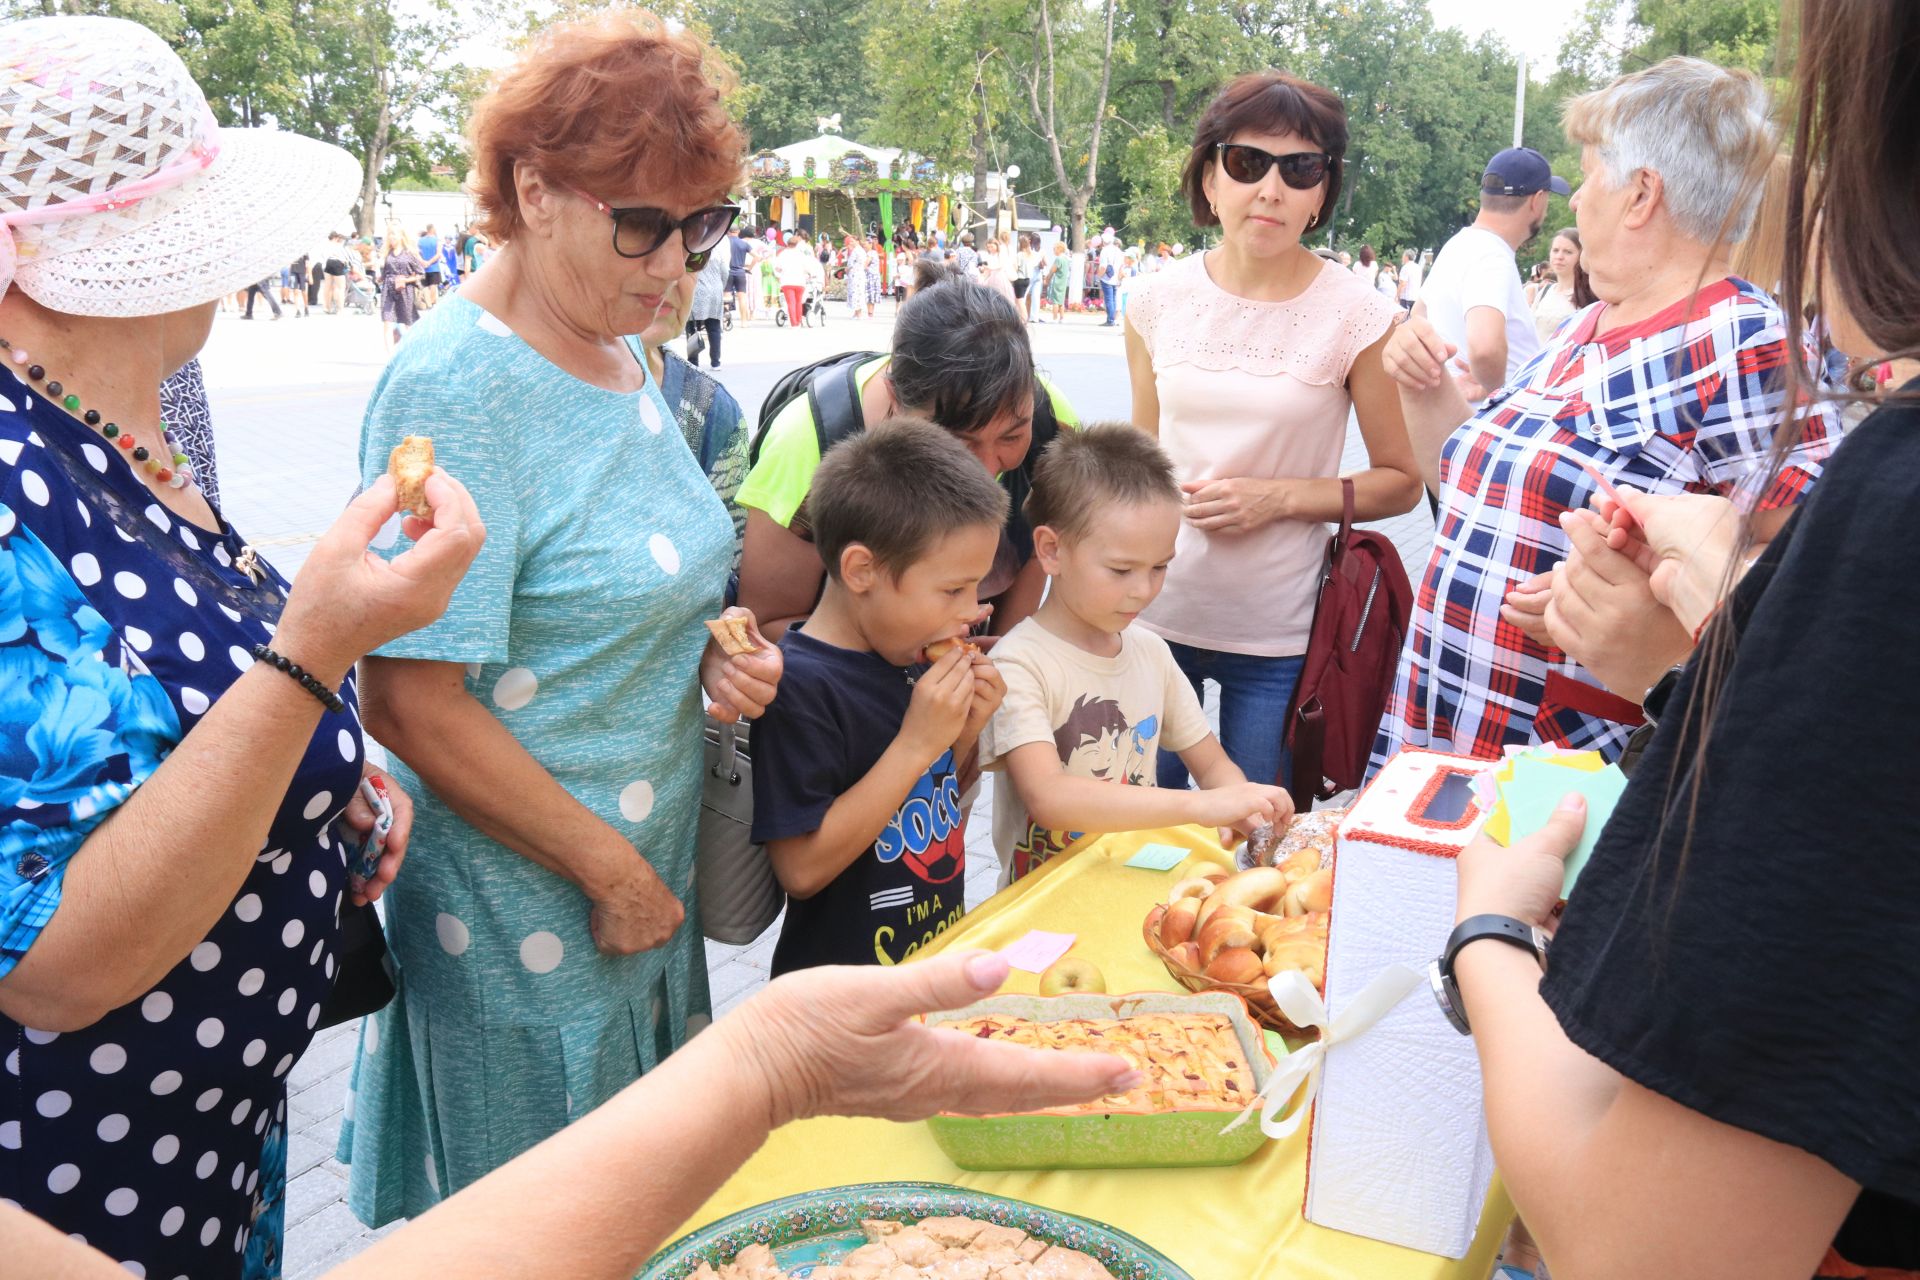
(1301, 170)
(638, 230)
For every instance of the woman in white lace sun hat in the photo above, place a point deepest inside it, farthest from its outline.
(170, 877)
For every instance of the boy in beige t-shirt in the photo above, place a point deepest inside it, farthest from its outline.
(1092, 700)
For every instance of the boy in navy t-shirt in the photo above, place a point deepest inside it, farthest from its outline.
(856, 764)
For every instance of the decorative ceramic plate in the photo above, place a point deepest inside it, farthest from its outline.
(820, 1227)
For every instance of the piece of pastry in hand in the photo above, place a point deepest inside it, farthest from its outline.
(410, 463)
(734, 634)
(941, 648)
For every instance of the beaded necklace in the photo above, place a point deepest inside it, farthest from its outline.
(169, 465)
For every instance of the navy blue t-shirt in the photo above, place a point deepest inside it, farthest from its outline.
(737, 250)
(837, 713)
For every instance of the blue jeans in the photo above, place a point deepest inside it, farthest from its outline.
(1109, 295)
(1254, 693)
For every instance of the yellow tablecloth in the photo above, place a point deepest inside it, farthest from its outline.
(1238, 1223)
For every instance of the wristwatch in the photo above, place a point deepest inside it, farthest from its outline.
(1446, 991)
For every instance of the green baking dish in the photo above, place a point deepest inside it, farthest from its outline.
(1170, 1140)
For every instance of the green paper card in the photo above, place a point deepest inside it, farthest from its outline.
(1538, 786)
(1159, 857)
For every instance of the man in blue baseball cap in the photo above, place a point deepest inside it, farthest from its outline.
(1473, 294)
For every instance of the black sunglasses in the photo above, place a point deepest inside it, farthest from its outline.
(641, 229)
(1301, 170)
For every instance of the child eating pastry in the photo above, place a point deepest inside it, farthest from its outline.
(858, 762)
(1091, 699)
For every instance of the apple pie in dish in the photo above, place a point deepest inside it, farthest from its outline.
(1192, 1061)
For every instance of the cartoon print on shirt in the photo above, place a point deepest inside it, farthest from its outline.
(1095, 741)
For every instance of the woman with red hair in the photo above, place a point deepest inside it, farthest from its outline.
(548, 944)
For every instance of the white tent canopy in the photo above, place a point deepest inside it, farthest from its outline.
(827, 148)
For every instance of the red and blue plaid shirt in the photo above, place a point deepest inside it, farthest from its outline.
(1685, 401)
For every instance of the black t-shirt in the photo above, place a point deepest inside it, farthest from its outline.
(837, 713)
(1768, 976)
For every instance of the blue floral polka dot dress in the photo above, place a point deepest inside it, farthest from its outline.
(158, 1134)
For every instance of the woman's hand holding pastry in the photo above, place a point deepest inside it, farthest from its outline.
(846, 1041)
(347, 601)
(740, 685)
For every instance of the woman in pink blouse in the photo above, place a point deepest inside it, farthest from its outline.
(1245, 361)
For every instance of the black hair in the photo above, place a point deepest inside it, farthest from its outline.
(961, 356)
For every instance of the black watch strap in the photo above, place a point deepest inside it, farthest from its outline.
(1505, 928)
(1446, 990)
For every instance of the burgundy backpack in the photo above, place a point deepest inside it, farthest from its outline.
(1351, 657)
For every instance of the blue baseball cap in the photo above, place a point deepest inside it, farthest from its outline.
(1521, 171)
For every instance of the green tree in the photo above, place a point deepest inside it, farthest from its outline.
(1063, 69)
(802, 62)
(1155, 210)
(1625, 35)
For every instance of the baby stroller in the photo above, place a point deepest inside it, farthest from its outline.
(360, 297)
(726, 312)
(813, 310)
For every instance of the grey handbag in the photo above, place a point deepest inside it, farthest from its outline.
(739, 896)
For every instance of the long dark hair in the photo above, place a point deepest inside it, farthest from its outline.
(1854, 179)
(1583, 295)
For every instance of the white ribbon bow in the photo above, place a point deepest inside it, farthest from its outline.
(1304, 1008)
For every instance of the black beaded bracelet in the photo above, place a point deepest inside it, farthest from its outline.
(306, 679)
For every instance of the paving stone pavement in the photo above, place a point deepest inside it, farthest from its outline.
(287, 400)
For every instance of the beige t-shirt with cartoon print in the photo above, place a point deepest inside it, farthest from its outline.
(1108, 718)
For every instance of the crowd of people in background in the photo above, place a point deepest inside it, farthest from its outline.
(392, 275)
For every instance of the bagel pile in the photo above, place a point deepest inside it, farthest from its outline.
(1244, 928)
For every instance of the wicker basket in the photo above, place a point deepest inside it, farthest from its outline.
(1258, 998)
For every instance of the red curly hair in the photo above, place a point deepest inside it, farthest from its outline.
(596, 104)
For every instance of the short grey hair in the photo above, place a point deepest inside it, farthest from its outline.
(1706, 130)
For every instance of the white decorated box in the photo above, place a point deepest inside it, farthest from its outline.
(1399, 1142)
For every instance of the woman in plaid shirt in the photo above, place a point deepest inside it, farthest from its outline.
(1672, 383)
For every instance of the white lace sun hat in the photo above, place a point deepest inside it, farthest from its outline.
(120, 195)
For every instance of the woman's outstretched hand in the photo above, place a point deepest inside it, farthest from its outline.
(848, 1041)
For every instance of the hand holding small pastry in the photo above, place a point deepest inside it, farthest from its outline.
(941, 705)
(988, 691)
(410, 463)
(1240, 807)
(740, 669)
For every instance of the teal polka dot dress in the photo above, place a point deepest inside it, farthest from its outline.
(580, 628)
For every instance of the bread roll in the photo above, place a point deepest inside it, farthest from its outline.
(1311, 893)
(1224, 933)
(1178, 924)
(1261, 889)
(1237, 965)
